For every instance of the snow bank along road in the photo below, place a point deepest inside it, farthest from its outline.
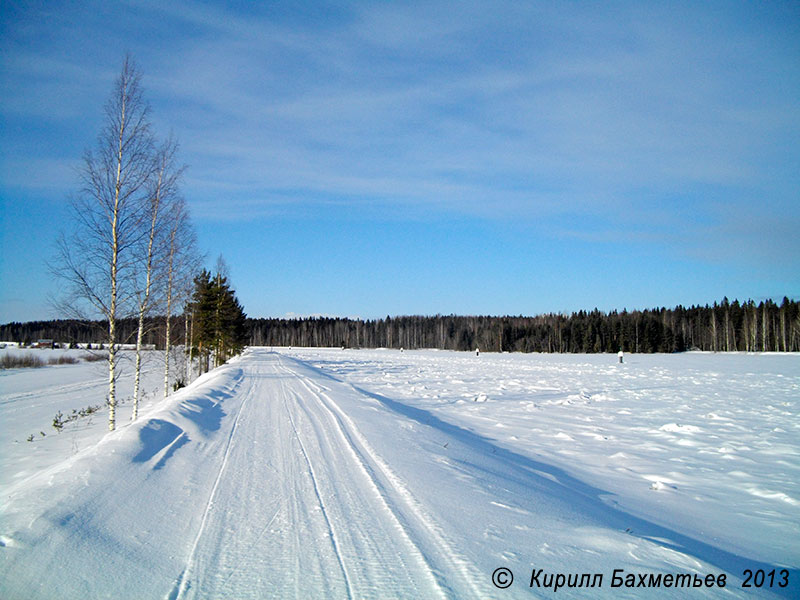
(271, 478)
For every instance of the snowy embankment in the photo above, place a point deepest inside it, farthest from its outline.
(328, 473)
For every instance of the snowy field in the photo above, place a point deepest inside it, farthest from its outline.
(319, 473)
(31, 398)
(698, 441)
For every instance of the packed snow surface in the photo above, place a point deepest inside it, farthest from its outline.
(319, 473)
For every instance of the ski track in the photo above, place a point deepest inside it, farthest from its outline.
(100, 381)
(330, 427)
(331, 532)
(399, 501)
(183, 581)
(69, 388)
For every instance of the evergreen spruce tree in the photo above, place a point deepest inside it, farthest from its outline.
(220, 324)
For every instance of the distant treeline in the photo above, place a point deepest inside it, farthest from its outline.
(727, 326)
(723, 327)
(92, 332)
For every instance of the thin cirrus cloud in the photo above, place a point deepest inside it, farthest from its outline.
(608, 119)
(672, 127)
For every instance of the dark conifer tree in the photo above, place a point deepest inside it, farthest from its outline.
(219, 322)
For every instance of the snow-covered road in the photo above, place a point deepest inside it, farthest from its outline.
(272, 478)
(299, 507)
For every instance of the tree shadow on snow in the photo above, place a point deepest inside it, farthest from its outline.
(160, 439)
(204, 412)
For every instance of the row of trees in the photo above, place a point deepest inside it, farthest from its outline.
(130, 252)
(722, 327)
(726, 326)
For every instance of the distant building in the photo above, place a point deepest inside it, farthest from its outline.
(43, 344)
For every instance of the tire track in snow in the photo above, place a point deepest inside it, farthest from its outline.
(412, 518)
(334, 538)
(183, 583)
(371, 526)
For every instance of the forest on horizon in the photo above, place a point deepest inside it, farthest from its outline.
(722, 327)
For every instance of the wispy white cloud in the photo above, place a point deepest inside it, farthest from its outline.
(328, 114)
(502, 110)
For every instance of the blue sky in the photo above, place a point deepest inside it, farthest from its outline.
(374, 158)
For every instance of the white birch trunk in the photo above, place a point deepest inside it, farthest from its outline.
(166, 354)
(137, 377)
(112, 311)
(187, 348)
(169, 311)
(144, 304)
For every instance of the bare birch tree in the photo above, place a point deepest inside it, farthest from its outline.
(155, 252)
(182, 261)
(96, 259)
